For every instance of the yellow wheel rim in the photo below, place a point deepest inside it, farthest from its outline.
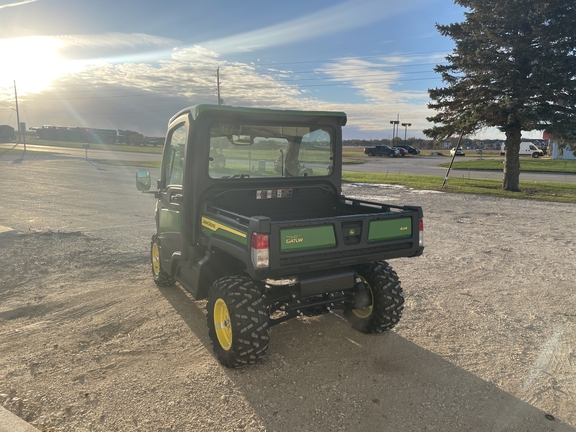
(155, 259)
(365, 313)
(222, 324)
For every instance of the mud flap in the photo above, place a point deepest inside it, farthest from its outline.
(326, 283)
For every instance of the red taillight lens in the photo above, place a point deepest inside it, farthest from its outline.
(259, 241)
(260, 251)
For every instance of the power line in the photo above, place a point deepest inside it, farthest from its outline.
(27, 114)
(280, 74)
(255, 83)
(327, 77)
(255, 80)
(345, 77)
(371, 67)
(354, 58)
(347, 82)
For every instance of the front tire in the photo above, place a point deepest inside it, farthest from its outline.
(387, 300)
(535, 155)
(238, 321)
(161, 278)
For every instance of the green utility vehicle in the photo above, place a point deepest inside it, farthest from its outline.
(267, 236)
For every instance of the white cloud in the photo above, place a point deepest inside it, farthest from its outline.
(17, 4)
(379, 82)
(108, 40)
(343, 16)
(142, 96)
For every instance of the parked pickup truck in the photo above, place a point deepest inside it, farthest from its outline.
(268, 236)
(382, 150)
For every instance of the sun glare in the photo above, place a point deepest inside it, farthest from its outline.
(33, 62)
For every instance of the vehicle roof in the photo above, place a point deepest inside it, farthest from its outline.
(196, 110)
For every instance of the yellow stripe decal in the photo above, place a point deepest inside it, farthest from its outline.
(215, 226)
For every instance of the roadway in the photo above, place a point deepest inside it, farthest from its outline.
(430, 165)
(83, 154)
(416, 165)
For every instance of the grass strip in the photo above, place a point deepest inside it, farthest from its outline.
(141, 164)
(540, 191)
(535, 165)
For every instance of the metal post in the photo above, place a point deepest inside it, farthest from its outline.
(218, 83)
(18, 115)
(452, 161)
(394, 124)
(406, 129)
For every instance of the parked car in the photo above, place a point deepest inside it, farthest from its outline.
(411, 150)
(401, 150)
(381, 150)
(458, 152)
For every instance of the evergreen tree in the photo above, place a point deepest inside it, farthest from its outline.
(513, 68)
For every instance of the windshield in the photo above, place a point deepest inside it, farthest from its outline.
(269, 151)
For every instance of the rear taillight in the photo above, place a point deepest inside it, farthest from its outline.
(421, 232)
(260, 250)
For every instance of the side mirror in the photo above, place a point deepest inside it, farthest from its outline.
(143, 182)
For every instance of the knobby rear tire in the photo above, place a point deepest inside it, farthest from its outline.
(387, 299)
(244, 339)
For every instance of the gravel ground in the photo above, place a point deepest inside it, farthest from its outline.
(487, 341)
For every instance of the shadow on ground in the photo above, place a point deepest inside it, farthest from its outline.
(320, 370)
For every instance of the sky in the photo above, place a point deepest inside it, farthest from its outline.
(132, 64)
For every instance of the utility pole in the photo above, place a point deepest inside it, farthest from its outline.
(218, 83)
(18, 115)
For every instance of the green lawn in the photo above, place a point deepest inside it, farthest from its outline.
(526, 164)
(542, 191)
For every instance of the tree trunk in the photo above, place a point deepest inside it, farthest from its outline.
(511, 180)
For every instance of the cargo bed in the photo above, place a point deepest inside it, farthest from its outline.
(323, 235)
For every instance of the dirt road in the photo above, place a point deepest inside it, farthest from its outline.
(89, 343)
